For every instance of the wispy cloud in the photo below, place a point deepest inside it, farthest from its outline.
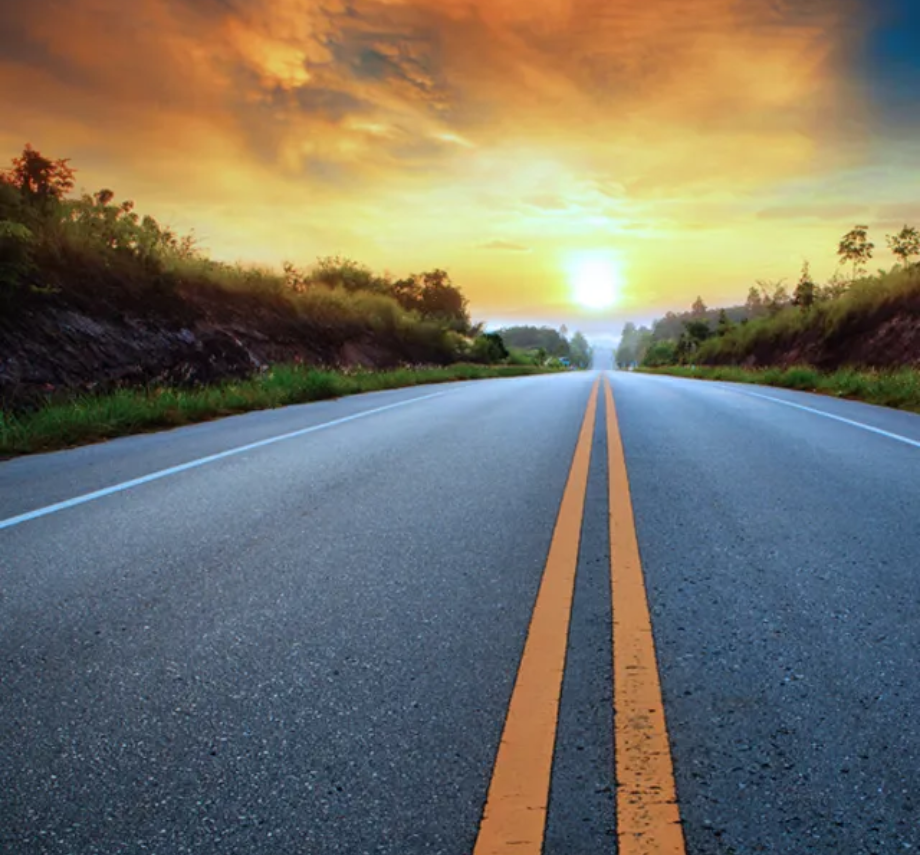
(396, 130)
(829, 211)
(504, 245)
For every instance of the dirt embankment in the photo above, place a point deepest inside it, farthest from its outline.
(886, 338)
(70, 342)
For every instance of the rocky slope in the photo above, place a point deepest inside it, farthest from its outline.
(58, 344)
(887, 338)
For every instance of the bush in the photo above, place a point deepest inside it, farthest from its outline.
(520, 356)
(660, 353)
(488, 348)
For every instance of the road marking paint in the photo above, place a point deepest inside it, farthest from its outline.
(879, 431)
(648, 818)
(514, 818)
(201, 461)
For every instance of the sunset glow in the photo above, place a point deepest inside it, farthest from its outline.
(703, 143)
(595, 280)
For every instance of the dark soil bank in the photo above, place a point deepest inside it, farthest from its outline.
(64, 343)
(886, 338)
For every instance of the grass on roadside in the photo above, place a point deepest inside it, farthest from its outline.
(899, 389)
(90, 418)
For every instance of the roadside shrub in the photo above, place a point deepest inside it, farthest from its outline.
(488, 348)
(661, 353)
(334, 271)
(521, 356)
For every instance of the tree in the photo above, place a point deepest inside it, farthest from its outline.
(532, 338)
(408, 292)
(904, 244)
(626, 350)
(660, 353)
(634, 344)
(694, 334)
(856, 248)
(489, 348)
(644, 339)
(698, 309)
(724, 325)
(38, 179)
(697, 331)
(582, 353)
(805, 291)
(440, 299)
(668, 327)
(836, 287)
(754, 303)
(775, 296)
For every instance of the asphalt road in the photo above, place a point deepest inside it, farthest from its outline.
(310, 646)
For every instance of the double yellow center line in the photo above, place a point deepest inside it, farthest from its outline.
(648, 820)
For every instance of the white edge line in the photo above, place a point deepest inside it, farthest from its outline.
(201, 461)
(879, 431)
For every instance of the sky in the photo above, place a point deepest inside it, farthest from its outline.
(567, 161)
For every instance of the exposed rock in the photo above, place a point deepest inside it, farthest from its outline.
(887, 338)
(58, 347)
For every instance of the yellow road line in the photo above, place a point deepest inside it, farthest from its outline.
(648, 819)
(515, 813)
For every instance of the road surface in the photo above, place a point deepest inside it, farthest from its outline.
(384, 625)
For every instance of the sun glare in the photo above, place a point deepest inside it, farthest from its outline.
(595, 280)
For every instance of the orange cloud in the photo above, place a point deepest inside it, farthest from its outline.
(404, 132)
(415, 81)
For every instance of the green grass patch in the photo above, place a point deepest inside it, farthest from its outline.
(899, 389)
(91, 418)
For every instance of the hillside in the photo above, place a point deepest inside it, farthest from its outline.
(94, 297)
(868, 321)
(876, 324)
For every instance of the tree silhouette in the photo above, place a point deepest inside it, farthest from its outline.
(581, 351)
(904, 244)
(754, 303)
(856, 248)
(534, 338)
(775, 295)
(39, 179)
(805, 290)
(489, 347)
(440, 299)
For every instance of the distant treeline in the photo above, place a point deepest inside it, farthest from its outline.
(545, 343)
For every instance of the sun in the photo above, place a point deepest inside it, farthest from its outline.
(595, 280)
